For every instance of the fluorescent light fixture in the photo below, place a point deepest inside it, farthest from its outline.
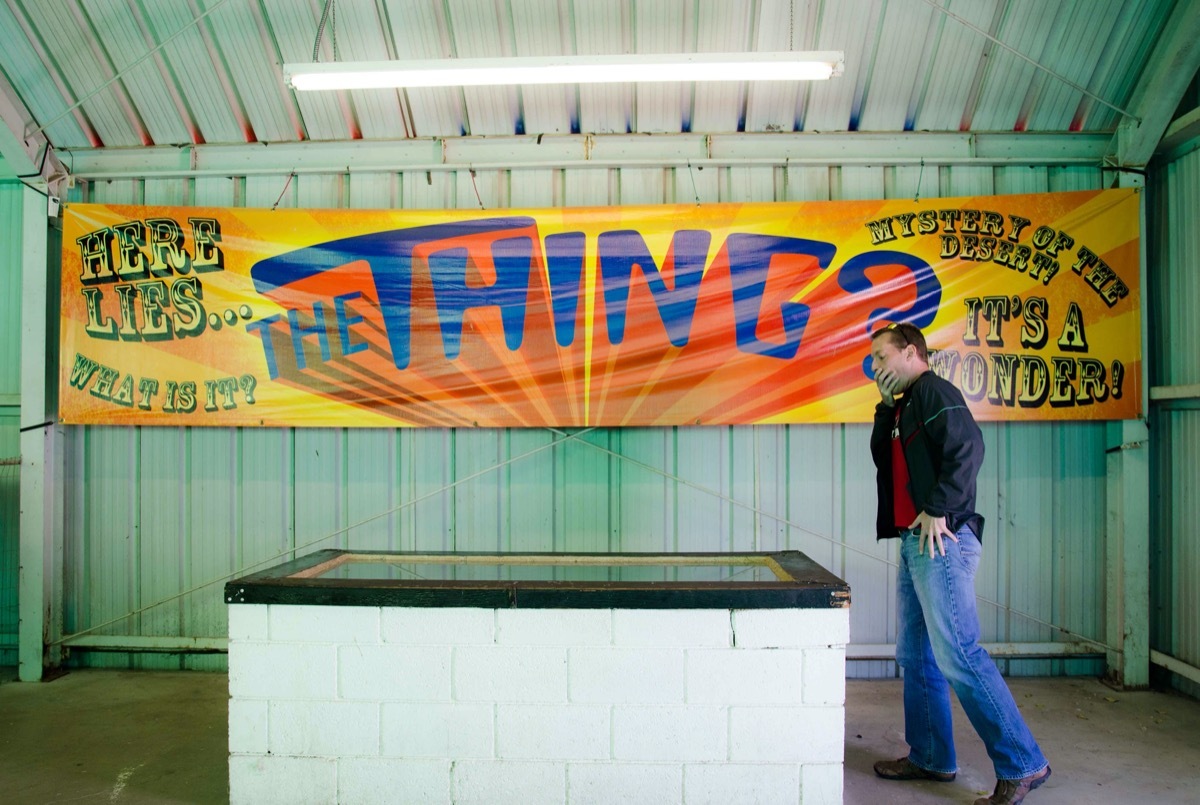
(767, 66)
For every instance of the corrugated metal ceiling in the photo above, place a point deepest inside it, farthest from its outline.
(111, 73)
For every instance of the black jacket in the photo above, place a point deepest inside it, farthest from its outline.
(944, 450)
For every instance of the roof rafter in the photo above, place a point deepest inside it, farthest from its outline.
(1168, 73)
(27, 156)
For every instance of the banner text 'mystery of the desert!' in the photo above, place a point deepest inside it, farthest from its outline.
(610, 316)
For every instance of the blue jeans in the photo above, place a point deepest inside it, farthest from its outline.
(939, 643)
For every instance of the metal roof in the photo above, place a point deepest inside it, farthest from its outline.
(92, 75)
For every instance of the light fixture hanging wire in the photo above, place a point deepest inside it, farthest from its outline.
(328, 15)
(936, 5)
(695, 192)
(477, 196)
(791, 24)
(920, 176)
(286, 185)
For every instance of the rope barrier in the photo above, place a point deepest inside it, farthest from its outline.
(565, 437)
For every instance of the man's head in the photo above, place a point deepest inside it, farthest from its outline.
(900, 349)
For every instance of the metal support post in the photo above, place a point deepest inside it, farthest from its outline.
(1127, 571)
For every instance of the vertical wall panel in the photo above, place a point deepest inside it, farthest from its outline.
(206, 538)
(374, 191)
(109, 553)
(771, 491)
(1175, 280)
(1025, 504)
(588, 187)
(749, 184)
(1175, 558)
(534, 188)
(266, 518)
(371, 486)
(179, 508)
(317, 488)
(165, 528)
(641, 186)
(810, 504)
(529, 484)
(478, 516)
(703, 461)
(646, 498)
(10, 546)
(1174, 351)
(11, 228)
(425, 190)
(743, 483)
(868, 565)
(590, 492)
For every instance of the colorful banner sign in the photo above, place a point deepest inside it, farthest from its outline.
(666, 315)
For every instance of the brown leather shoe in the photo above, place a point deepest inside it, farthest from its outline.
(1010, 792)
(905, 769)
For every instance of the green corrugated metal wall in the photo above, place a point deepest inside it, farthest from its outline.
(152, 512)
(11, 200)
(1175, 344)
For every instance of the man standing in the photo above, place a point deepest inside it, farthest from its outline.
(928, 451)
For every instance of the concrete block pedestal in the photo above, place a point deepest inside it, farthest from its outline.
(493, 704)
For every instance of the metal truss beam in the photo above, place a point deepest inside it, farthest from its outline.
(1182, 135)
(589, 151)
(1169, 71)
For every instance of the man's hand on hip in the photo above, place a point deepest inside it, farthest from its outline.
(935, 530)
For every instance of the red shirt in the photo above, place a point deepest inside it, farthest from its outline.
(903, 509)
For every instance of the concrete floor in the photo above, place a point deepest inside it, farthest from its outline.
(153, 737)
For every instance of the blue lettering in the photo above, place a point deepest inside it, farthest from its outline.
(853, 278)
(317, 329)
(512, 258)
(564, 263)
(262, 329)
(623, 251)
(390, 256)
(344, 322)
(749, 262)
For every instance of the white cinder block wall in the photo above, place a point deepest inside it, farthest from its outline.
(444, 705)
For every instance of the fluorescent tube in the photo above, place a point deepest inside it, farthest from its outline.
(767, 66)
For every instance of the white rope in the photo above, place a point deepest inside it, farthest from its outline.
(283, 554)
(565, 437)
(935, 4)
(844, 546)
